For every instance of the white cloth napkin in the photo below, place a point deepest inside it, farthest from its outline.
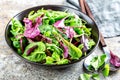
(106, 14)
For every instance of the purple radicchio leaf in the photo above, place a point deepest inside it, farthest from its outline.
(70, 32)
(84, 41)
(41, 37)
(31, 49)
(32, 30)
(65, 50)
(60, 23)
(114, 60)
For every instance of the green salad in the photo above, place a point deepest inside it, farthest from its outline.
(51, 37)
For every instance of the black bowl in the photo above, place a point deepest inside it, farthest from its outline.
(21, 15)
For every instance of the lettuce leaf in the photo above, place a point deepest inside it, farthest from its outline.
(33, 15)
(35, 52)
(17, 31)
(17, 27)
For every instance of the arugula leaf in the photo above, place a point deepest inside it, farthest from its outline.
(106, 70)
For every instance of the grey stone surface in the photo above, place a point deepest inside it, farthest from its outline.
(13, 68)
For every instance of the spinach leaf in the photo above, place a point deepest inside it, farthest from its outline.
(106, 70)
(96, 76)
(98, 61)
(85, 76)
(94, 62)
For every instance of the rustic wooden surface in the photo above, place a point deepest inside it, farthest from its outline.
(13, 68)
